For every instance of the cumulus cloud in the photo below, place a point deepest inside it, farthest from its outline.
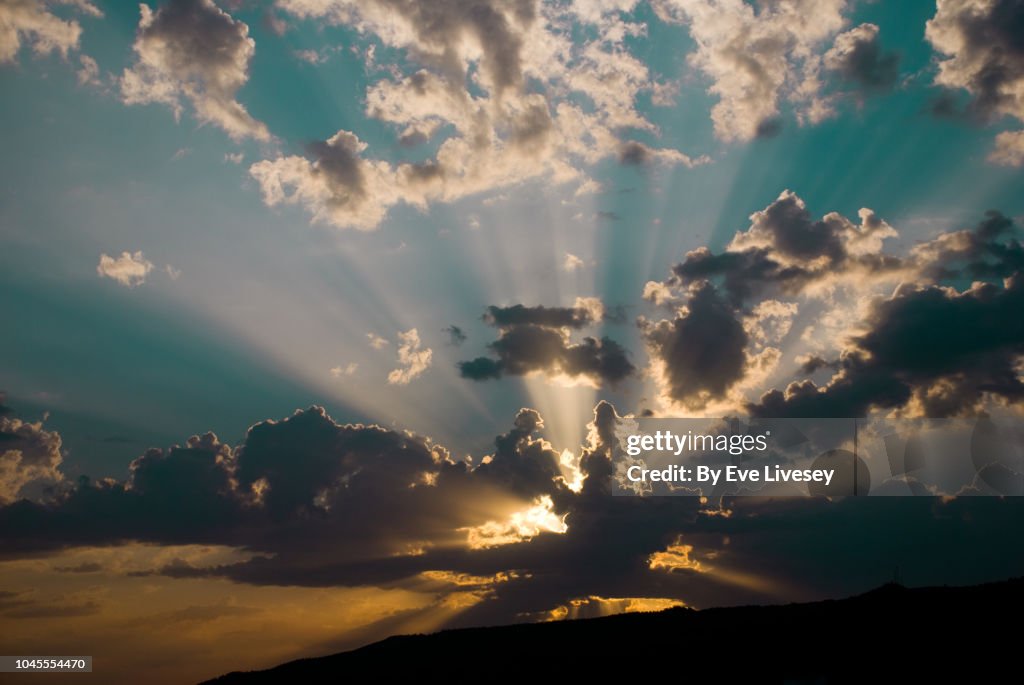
(912, 353)
(129, 269)
(318, 503)
(31, 23)
(572, 262)
(413, 358)
(979, 44)
(858, 57)
(192, 51)
(538, 340)
(866, 326)
(334, 182)
(758, 55)
(786, 249)
(30, 457)
(471, 91)
(699, 354)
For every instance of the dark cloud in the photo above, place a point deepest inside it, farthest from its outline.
(859, 59)
(903, 359)
(526, 348)
(456, 336)
(702, 349)
(30, 457)
(338, 160)
(192, 50)
(353, 508)
(441, 24)
(534, 339)
(551, 317)
(306, 480)
(814, 363)
(990, 250)
(768, 128)
(481, 369)
(985, 44)
(786, 249)
(636, 154)
(633, 153)
(943, 348)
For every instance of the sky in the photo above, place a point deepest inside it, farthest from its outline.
(320, 314)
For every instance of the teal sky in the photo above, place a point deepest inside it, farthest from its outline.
(268, 301)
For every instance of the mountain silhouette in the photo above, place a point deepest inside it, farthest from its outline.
(890, 634)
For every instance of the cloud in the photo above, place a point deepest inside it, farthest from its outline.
(295, 484)
(30, 457)
(858, 57)
(335, 183)
(347, 370)
(910, 354)
(456, 336)
(865, 323)
(979, 44)
(572, 262)
(413, 358)
(786, 249)
(633, 153)
(699, 354)
(377, 342)
(585, 312)
(1009, 149)
(130, 269)
(31, 23)
(757, 56)
(501, 89)
(321, 504)
(88, 73)
(537, 340)
(191, 50)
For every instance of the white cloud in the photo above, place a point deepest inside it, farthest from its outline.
(572, 262)
(979, 41)
(31, 456)
(377, 342)
(472, 87)
(130, 269)
(172, 273)
(1009, 149)
(756, 57)
(413, 358)
(31, 23)
(193, 51)
(88, 73)
(347, 370)
(234, 157)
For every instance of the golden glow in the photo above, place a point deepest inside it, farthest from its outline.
(676, 557)
(520, 526)
(109, 603)
(681, 557)
(594, 606)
